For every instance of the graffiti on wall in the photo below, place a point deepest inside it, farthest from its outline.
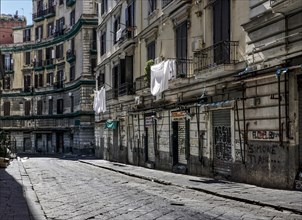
(265, 135)
(265, 154)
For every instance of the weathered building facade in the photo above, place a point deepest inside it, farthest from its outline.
(46, 93)
(7, 22)
(232, 108)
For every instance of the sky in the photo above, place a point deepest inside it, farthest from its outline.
(24, 7)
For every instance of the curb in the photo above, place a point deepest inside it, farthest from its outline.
(278, 208)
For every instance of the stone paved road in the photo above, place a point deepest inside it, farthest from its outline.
(68, 189)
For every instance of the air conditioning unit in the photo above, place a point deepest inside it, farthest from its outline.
(197, 44)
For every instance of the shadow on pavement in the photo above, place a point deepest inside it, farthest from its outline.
(13, 204)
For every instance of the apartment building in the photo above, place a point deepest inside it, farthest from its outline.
(7, 22)
(46, 91)
(231, 106)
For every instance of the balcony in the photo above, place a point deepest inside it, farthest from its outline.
(46, 13)
(8, 68)
(50, 12)
(38, 65)
(111, 94)
(141, 83)
(216, 56)
(59, 84)
(70, 3)
(70, 56)
(285, 6)
(49, 64)
(125, 89)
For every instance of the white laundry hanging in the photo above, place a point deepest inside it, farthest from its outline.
(99, 104)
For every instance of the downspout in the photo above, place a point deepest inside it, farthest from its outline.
(170, 142)
(239, 131)
(198, 134)
(244, 128)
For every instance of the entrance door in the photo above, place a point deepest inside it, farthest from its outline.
(179, 142)
(49, 143)
(115, 146)
(60, 142)
(222, 149)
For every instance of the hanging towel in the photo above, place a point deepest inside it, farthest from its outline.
(172, 69)
(95, 101)
(101, 106)
(159, 78)
(119, 34)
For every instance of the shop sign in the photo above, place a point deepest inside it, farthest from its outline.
(177, 116)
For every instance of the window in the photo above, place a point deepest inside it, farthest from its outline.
(38, 62)
(116, 27)
(101, 80)
(103, 43)
(130, 17)
(71, 103)
(181, 47)
(60, 107)
(61, 2)
(59, 51)
(152, 6)
(60, 79)
(50, 28)
(49, 55)
(6, 83)
(50, 106)
(151, 51)
(27, 58)
(49, 79)
(8, 62)
(6, 108)
(39, 107)
(27, 83)
(104, 5)
(39, 32)
(72, 18)
(39, 80)
(72, 73)
(27, 108)
(60, 23)
(26, 35)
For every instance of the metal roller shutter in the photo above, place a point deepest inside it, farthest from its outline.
(222, 144)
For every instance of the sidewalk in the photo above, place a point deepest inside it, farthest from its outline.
(278, 199)
(18, 200)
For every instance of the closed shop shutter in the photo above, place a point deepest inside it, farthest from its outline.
(182, 142)
(222, 144)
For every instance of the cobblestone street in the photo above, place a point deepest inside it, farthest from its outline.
(68, 189)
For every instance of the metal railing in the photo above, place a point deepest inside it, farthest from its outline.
(41, 13)
(48, 62)
(141, 83)
(8, 67)
(111, 94)
(224, 52)
(125, 89)
(38, 63)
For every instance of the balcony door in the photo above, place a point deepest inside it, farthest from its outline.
(181, 48)
(221, 31)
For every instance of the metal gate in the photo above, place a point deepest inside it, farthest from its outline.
(182, 142)
(222, 143)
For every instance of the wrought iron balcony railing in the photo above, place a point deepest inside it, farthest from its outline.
(111, 94)
(125, 89)
(224, 52)
(141, 83)
(70, 56)
(48, 62)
